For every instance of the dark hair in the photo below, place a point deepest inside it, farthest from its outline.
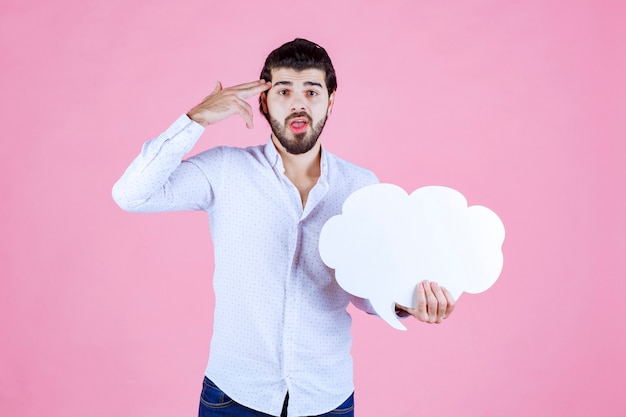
(299, 55)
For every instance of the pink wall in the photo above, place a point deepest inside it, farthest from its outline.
(519, 105)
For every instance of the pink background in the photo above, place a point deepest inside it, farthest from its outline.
(520, 105)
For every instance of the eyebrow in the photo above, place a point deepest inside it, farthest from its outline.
(307, 83)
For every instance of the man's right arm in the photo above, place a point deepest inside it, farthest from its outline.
(157, 180)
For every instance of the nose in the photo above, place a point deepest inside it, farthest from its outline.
(298, 103)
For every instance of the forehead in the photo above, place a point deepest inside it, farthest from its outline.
(290, 75)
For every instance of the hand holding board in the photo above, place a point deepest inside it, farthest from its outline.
(385, 242)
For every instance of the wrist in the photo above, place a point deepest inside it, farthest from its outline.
(196, 117)
(402, 313)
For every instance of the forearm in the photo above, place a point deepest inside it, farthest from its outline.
(150, 182)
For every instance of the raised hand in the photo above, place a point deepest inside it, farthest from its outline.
(225, 102)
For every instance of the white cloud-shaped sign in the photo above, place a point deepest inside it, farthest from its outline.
(385, 242)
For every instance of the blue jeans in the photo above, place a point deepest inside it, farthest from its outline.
(215, 403)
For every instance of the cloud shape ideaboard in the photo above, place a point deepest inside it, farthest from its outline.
(385, 242)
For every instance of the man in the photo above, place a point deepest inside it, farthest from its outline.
(281, 338)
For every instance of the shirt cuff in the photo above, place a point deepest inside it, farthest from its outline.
(184, 132)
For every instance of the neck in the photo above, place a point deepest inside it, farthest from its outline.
(302, 165)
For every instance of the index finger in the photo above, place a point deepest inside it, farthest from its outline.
(250, 89)
(421, 308)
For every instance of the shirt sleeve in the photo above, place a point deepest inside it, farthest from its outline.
(159, 180)
(363, 305)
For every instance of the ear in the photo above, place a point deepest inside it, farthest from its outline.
(264, 102)
(331, 101)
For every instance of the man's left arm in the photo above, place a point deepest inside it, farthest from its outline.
(363, 305)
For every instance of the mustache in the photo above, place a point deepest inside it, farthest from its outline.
(301, 114)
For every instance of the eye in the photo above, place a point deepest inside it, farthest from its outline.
(283, 92)
(312, 93)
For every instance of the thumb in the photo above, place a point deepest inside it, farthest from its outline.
(218, 87)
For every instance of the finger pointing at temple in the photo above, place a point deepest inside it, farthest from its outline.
(225, 102)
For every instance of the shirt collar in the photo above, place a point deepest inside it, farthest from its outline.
(273, 157)
(276, 162)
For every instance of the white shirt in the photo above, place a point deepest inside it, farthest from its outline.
(280, 317)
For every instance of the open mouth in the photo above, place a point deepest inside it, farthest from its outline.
(299, 124)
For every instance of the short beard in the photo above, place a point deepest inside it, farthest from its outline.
(302, 142)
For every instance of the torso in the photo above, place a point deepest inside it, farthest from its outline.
(304, 186)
